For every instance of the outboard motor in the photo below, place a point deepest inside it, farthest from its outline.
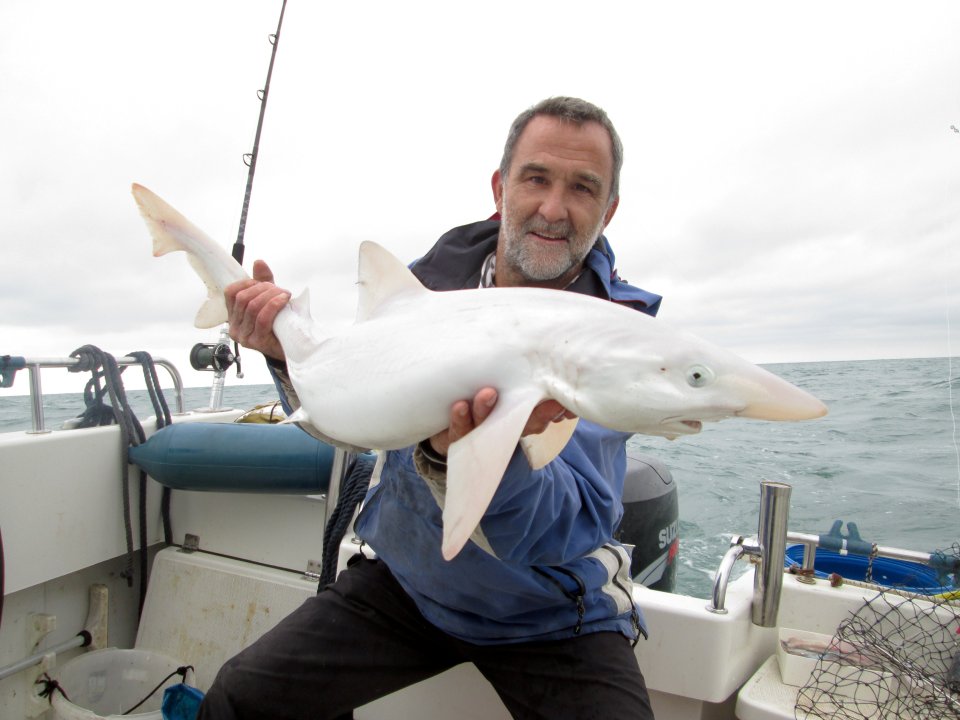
(651, 522)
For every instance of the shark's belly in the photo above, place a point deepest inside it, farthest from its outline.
(395, 399)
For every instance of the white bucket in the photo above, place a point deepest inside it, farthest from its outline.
(107, 683)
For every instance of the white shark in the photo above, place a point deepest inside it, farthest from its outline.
(390, 379)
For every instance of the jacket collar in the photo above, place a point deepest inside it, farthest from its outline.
(456, 259)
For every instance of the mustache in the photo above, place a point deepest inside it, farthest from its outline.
(538, 225)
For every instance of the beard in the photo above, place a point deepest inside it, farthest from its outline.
(539, 263)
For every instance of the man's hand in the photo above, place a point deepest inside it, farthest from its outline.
(252, 306)
(465, 415)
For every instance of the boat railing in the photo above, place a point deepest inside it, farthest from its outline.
(768, 551)
(769, 547)
(10, 365)
(812, 542)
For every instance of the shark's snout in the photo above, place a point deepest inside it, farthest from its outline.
(807, 409)
(772, 398)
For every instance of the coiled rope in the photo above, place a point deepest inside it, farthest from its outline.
(105, 381)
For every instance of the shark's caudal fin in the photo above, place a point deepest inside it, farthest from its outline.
(171, 232)
(381, 277)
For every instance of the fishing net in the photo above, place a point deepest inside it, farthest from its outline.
(897, 657)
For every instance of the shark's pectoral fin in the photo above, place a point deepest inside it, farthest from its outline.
(542, 448)
(476, 463)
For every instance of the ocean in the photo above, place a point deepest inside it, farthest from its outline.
(886, 458)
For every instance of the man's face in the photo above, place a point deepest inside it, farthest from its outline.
(554, 203)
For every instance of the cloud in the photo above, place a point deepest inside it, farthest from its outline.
(790, 181)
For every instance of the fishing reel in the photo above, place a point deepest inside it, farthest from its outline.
(214, 357)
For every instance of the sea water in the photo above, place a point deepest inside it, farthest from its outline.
(886, 457)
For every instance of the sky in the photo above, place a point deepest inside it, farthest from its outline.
(791, 181)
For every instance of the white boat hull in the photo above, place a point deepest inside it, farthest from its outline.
(61, 515)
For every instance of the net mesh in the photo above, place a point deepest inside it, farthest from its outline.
(896, 657)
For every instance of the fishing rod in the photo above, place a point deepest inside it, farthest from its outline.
(250, 159)
(217, 357)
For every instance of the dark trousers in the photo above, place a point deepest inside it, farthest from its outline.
(363, 637)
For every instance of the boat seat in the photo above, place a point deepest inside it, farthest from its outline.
(202, 609)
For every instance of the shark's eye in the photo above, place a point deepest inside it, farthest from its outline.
(698, 376)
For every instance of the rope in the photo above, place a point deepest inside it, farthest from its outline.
(103, 367)
(181, 671)
(50, 686)
(162, 412)
(352, 492)
(159, 402)
(106, 382)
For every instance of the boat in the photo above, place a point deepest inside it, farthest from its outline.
(99, 601)
(238, 558)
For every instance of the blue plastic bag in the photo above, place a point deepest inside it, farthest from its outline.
(181, 702)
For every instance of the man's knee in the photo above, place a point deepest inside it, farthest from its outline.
(228, 696)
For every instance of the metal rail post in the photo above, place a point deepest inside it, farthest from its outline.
(768, 577)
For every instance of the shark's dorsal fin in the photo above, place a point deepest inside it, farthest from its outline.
(381, 277)
(542, 448)
(476, 463)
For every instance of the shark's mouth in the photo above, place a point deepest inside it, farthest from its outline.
(679, 426)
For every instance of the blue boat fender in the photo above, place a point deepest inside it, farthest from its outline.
(236, 457)
(883, 571)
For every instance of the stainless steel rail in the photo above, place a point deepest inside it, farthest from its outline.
(74, 642)
(769, 547)
(34, 365)
(738, 548)
(768, 578)
(812, 542)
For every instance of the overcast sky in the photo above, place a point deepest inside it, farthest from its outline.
(791, 181)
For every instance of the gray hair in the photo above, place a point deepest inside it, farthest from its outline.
(569, 109)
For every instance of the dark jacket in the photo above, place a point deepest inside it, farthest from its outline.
(455, 262)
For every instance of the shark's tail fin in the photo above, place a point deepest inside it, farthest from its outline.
(171, 231)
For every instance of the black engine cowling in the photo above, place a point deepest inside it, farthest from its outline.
(651, 522)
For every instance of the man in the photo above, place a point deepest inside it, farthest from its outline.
(539, 598)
